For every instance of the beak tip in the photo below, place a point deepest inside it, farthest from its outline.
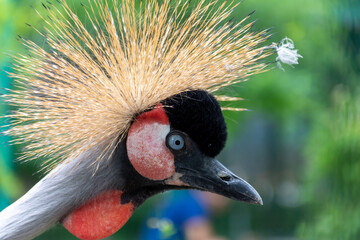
(256, 199)
(259, 201)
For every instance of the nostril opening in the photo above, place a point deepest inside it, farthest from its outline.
(224, 176)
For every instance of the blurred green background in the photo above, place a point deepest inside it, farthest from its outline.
(299, 146)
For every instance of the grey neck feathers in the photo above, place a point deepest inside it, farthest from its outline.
(65, 188)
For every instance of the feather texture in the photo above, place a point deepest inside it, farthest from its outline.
(87, 86)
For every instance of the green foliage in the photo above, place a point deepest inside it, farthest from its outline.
(333, 170)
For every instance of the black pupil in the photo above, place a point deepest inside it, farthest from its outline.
(177, 142)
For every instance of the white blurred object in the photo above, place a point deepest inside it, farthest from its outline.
(286, 53)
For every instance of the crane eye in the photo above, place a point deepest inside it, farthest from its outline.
(175, 142)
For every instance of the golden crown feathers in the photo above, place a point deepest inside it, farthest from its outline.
(90, 82)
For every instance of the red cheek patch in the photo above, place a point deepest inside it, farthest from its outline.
(146, 147)
(99, 218)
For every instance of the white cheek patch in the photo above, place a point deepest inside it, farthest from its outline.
(147, 151)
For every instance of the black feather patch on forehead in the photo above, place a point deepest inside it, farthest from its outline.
(198, 114)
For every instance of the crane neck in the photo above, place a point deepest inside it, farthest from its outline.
(62, 190)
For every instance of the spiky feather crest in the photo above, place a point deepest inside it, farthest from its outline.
(88, 87)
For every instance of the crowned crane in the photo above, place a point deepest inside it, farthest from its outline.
(124, 109)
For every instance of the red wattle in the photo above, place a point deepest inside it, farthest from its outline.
(99, 218)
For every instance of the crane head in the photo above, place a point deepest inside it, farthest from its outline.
(171, 146)
(174, 146)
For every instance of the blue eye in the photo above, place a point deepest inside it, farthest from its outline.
(176, 142)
